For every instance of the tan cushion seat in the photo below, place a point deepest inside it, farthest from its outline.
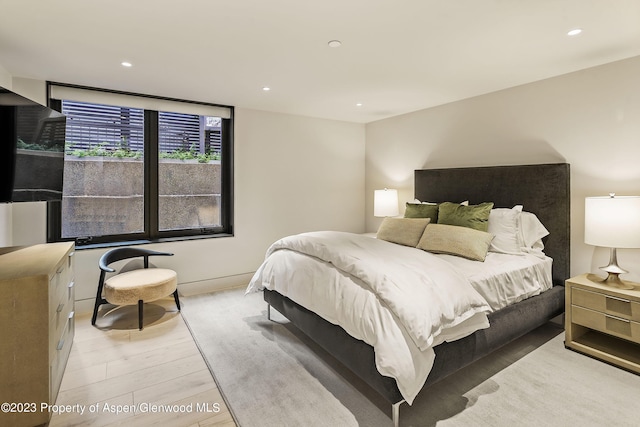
(148, 284)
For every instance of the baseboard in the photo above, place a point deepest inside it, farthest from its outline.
(187, 289)
(212, 285)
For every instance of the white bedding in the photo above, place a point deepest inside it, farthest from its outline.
(395, 322)
(506, 279)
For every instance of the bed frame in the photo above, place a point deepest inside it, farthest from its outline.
(541, 189)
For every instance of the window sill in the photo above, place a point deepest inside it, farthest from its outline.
(148, 241)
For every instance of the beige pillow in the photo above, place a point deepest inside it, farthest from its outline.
(455, 240)
(403, 231)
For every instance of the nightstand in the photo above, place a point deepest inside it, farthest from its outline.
(603, 322)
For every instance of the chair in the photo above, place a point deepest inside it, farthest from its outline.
(135, 286)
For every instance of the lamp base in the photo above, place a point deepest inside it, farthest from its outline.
(613, 271)
(614, 281)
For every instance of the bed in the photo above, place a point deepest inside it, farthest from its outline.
(543, 190)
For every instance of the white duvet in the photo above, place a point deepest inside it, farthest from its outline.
(402, 301)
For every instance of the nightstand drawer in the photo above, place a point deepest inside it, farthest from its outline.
(606, 323)
(619, 307)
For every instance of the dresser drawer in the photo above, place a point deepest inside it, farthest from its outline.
(61, 354)
(619, 307)
(59, 281)
(58, 321)
(607, 323)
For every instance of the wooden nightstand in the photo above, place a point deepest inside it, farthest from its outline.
(603, 322)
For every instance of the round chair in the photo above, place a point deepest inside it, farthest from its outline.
(135, 286)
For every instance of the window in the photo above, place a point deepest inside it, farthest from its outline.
(141, 168)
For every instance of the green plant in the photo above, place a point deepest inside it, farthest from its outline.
(190, 155)
(101, 150)
(36, 147)
(123, 151)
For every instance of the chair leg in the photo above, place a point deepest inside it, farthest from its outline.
(95, 312)
(175, 297)
(99, 302)
(140, 313)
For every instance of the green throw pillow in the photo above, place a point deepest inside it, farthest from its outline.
(473, 216)
(421, 210)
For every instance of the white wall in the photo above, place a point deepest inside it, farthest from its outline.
(5, 78)
(291, 174)
(590, 119)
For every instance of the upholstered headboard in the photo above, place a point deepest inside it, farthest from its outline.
(541, 189)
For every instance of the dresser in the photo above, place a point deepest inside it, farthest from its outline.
(36, 329)
(603, 322)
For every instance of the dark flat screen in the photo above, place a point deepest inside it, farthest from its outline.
(32, 139)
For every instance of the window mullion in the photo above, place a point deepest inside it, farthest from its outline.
(226, 149)
(151, 158)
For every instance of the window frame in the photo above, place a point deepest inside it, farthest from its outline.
(152, 233)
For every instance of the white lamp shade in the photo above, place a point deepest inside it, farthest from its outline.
(385, 202)
(612, 222)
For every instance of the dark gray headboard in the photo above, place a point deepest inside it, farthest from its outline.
(541, 189)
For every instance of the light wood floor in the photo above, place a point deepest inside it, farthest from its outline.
(118, 367)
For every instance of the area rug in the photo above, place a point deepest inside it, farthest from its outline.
(270, 374)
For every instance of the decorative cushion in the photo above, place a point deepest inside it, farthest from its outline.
(473, 216)
(454, 240)
(421, 210)
(146, 284)
(403, 231)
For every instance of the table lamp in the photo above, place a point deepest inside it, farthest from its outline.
(613, 222)
(385, 202)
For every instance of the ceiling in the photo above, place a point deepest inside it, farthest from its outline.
(396, 56)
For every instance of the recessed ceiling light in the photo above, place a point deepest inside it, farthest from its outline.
(359, 104)
(335, 43)
(266, 88)
(574, 32)
(126, 64)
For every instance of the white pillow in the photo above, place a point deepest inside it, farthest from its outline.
(418, 202)
(531, 231)
(504, 225)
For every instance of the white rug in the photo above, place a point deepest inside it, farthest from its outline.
(272, 375)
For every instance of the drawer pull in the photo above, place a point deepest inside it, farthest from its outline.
(618, 305)
(618, 325)
(618, 318)
(618, 298)
(72, 314)
(60, 307)
(60, 344)
(71, 284)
